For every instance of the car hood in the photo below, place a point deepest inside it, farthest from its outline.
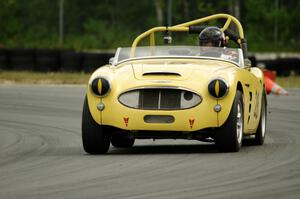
(178, 70)
(190, 74)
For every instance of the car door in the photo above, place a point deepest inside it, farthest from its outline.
(252, 85)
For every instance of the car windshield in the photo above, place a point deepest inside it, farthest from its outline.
(199, 52)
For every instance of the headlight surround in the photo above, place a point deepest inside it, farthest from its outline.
(100, 86)
(218, 88)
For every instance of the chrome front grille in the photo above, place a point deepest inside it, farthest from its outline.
(160, 99)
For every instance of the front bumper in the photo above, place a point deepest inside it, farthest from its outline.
(117, 115)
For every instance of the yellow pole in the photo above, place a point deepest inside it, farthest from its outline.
(152, 39)
(226, 25)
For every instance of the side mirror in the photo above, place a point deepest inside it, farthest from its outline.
(247, 63)
(111, 60)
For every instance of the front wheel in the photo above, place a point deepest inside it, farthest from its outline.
(95, 138)
(229, 136)
(261, 129)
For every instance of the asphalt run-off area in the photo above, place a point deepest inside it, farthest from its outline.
(41, 155)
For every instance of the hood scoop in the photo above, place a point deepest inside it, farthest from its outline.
(161, 73)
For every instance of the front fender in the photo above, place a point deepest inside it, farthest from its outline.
(93, 100)
(226, 103)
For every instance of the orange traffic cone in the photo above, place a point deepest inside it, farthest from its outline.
(270, 74)
(272, 87)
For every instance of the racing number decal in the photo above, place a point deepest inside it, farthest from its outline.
(192, 121)
(126, 119)
(256, 109)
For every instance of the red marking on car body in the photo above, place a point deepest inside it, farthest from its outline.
(192, 121)
(126, 120)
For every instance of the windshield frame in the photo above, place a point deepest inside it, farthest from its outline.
(115, 61)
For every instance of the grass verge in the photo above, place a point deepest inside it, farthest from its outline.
(292, 81)
(26, 77)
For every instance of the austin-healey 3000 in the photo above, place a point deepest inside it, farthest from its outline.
(176, 92)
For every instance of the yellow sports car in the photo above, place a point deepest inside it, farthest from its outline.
(208, 92)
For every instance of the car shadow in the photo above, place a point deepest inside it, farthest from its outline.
(165, 149)
(202, 148)
(249, 142)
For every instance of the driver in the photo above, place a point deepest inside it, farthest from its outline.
(212, 37)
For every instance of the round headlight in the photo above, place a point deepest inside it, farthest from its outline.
(218, 88)
(100, 86)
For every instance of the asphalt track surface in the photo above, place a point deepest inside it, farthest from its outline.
(41, 155)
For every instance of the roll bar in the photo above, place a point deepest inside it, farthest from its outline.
(188, 26)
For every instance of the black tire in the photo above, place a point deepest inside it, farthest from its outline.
(21, 59)
(229, 136)
(91, 62)
(3, 59)
(47, 60)
(122, 141)
(70, 61)
(95, 138)
(261, 129)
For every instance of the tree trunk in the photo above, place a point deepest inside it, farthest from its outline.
(159, 11)
(186, 9)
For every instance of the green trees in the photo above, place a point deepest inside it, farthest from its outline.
(270, 25)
